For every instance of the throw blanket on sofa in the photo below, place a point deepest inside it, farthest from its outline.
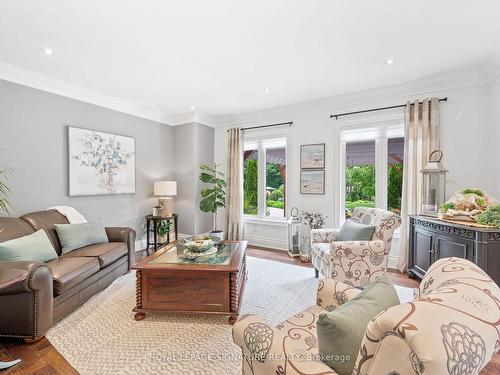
(73, 216)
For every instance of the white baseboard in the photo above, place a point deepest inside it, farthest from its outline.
(392, 262)
(141, 244)
(272, 243)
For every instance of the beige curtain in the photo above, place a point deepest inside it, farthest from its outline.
(421, 138)
(234, 185)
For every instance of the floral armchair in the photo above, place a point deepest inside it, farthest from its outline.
(452, 328)
(355, 262)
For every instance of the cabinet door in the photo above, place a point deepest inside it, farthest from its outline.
(447, 246)
(422, 245)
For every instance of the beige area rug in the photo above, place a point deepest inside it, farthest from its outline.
(102, 337)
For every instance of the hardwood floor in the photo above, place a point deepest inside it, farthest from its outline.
(41, 358)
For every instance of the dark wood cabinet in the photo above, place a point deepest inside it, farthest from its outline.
(432, 239)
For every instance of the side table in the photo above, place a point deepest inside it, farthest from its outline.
(10, 276)
(152, 225)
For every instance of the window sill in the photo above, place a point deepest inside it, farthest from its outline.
(263, 221)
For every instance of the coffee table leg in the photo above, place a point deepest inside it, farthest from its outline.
(232, 319)
(139, 315)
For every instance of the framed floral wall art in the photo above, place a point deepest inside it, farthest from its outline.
(100, 163)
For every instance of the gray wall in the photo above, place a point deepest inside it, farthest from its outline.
(34, 144)
(193, 145)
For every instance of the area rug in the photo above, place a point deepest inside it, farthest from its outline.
(102, 337)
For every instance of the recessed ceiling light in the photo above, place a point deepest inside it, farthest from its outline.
(390, 61)
(191, 108)
(48, 51)
(267, 91)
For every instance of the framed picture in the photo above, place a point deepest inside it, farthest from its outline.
(312, 182)
(100, 163)
(312, 156)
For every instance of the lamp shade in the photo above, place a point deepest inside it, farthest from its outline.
(165, 188)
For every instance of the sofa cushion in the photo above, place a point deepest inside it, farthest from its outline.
(352, 231)
(76, 236)
(341, 330)
(45, 220)
(107, 253)
(34, 246)
(70, 271)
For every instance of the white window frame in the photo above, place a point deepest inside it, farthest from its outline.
(376, 130)
(261, 139)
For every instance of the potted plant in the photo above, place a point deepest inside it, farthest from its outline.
(162, 230)
(4, 190)
(213, 197)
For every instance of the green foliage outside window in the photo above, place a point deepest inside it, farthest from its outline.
(394, 187)
(250, 187)
(274, 184)
(360, 187)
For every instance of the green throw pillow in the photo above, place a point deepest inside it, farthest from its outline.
(75, 236)
(341, 331)
(352, 231)
(35, 246)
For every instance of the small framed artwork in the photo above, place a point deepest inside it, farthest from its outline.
(312, 182)
(312, 156)
(100, 163)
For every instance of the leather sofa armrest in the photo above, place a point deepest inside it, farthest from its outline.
(30, 302)
(39, 276)
(123, 234)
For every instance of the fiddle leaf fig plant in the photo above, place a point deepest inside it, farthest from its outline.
(4, 189)
(214, 196)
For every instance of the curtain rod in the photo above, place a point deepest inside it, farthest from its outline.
(289, 123)
(376, 109)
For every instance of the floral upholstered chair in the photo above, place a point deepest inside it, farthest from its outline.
(453, 328)
(355, 262)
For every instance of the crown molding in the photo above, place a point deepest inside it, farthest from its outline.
(384, 96)
(53, 85)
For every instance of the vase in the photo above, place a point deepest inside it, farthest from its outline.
(305, 249)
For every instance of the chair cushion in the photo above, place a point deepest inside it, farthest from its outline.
(341, 330)
(70, 271)
(106, 253)
(352, 231)
(76, 236)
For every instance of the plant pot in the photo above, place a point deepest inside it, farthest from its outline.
(217, 233)
(161, 239)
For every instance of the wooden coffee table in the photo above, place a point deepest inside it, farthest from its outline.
(168, 282)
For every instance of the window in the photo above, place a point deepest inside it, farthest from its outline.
(373, 168)
(264, 178)
(359, 175)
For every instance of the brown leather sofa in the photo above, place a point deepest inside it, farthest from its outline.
(54, 289)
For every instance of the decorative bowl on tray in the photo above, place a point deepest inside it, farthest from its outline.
(198, 245)
(191, 255)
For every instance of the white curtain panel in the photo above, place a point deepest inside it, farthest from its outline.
(421, 138)
(234, 184)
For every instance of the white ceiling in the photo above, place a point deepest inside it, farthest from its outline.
(219, 56)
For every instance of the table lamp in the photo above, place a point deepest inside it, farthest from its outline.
(165, 189)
